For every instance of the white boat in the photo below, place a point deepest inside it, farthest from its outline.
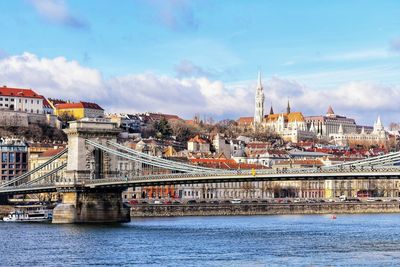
(29, 213)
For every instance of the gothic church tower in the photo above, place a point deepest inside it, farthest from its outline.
(259, 104)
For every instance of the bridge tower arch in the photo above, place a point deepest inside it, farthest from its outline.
(85, 162)
(82, 204)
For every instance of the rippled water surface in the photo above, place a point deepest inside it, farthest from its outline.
(369, 240)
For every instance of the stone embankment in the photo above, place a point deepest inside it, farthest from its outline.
(148, 210)
(5, 210)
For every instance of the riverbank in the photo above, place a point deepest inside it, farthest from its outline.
(263, 209)
(5, 210)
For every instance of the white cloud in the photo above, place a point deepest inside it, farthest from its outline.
(363, 101)
(55, 77)
(59, 77)
(56, 11)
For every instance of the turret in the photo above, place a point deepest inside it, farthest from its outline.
(340, 131)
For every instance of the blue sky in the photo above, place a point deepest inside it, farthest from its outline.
(209, 49)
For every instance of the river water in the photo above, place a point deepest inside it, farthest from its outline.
(368, 240)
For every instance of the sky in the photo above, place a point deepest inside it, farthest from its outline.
(186, 57)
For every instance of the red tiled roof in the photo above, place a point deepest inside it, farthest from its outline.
(51, 152)
(197, 139)
(57, 101)
(46, 103)
(78, 105)
(245, 120)
(159, 116)
(300, 162)
(223, 163)
(18, 92)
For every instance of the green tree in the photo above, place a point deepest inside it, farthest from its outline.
(162, 128)
(65, 117)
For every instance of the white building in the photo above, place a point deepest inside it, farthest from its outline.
(377, 137)
(25, 100)
(197, 144)
(324, 126)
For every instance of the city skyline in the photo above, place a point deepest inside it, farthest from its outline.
(187, 57)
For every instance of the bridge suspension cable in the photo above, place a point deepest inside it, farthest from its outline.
(161, 160)
(50, 173)
(27, 174)
(138, 159)
(390, 158)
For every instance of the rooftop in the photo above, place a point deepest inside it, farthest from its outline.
(18, 92)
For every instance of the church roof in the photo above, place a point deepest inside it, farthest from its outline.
(245, 120)
(330, 111)
(289, 117)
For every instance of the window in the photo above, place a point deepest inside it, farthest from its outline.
(11, 166)
(38, 102)
(11, 172)
(12, 99)
(24, 159)
(4, 157)
(19, 101)
(26, 101)
(3, 166)
(31, 101)
(17, 157)
(12, 157)
(6, 105)
(6, 99)
(1, 105)
(1, 99)
(3, 172)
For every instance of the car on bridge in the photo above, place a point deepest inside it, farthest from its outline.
(236, 201)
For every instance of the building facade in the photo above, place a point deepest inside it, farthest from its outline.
(35, 160)
(77, 110)
(24, 100)
(13, 159)
(324, 126)
(378, 136)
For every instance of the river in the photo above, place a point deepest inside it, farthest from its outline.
(368, 240)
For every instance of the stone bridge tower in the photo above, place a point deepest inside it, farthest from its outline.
(84, 161)
(82, 204)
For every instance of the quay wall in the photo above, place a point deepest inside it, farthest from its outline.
(262, 209)
(5, 210)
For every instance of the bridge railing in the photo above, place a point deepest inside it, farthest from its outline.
(241, 173)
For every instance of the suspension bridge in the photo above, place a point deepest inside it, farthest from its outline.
(91, 180)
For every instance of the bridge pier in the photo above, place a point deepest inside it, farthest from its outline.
(92, 206)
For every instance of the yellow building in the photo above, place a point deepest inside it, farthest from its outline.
(35, 160)
(77, 110)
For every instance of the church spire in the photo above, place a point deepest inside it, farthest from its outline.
(271, 111)
(259, 80)
(288, 107)
(259, 102)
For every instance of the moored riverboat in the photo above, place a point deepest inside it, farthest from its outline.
(30, 213)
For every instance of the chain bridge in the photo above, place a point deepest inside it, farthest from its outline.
(91, 180)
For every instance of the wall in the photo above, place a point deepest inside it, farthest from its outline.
(261, 209)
